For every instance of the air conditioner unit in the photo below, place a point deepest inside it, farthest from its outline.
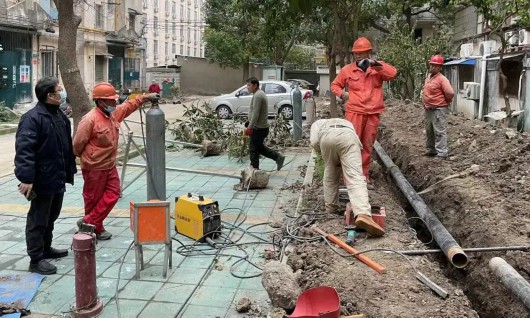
(512, 37)
(471, 90)
(515, 20)
(487, 47)
(466, 50)
(524, 37)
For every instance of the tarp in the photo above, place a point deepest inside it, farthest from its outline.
(461, 62)
(18, 290)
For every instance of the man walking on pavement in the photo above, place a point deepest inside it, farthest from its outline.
(96, 143)
(340, 147)
(258, 127)
(44, 162)
(364, 98)
(437, 95)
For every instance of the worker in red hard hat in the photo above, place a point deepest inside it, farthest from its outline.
(363, 80)
(437, 95)
(96, 143)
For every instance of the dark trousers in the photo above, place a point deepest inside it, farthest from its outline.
(256, 147)
(43, 213)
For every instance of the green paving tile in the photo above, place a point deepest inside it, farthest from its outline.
(128, 308)
(251, 283)
(213, 296)
(204, 311)
(49, 280)
(102, 266)
(160, 310)
(140, 290)
(174, 293)
(17, 249)
(128, 271)
(197, 262)
(184, 275)
(222, 279)
(260, 298)
(111, 254)
(64, 265)
(6, 244)
(263, 204)
(107, 287)
(53, 298)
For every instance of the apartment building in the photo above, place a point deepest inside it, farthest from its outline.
(172, 29)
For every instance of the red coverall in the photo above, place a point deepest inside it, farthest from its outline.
(96, 143)
(365, 102)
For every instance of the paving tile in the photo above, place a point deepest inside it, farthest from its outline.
(160, 310)
(128, 271)
(53, 298)
(64, 265)
(222, 279)
(6, 244)
(128, 308)
(111, 254)
(213, 296)
(204, 311)
(140, 290)
(184, 275)
(260, 298)
(107, 287)
(197, 262)
(17, 249)
(251, 283)
(174, 293)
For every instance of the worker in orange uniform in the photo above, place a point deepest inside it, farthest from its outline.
(364, 98)
(437, 95)
(96, 143)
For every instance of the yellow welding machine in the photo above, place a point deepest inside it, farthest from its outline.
(197, 217)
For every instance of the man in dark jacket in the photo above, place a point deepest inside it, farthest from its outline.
(44, 162)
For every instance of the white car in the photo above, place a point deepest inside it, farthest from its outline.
(279, 95)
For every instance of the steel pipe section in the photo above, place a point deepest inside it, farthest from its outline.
(447, 243)
(515, 283)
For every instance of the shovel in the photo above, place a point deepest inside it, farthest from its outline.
(318, 302)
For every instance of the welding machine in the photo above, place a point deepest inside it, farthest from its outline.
(197, 217)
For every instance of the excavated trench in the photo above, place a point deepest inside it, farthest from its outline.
(488, 208)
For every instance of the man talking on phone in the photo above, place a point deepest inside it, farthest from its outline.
(44, 163)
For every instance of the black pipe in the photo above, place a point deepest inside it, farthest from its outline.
(470, 250)
(511, 279)
(447, 243)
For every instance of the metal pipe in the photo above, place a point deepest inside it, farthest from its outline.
(189, 144)
(447, 243)
(155, 152)
(297, 114)
(125, 159)
(470, 250)
(208, 173)
(482, 87)
(515, 283)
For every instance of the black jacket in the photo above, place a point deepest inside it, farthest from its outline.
(44, 154)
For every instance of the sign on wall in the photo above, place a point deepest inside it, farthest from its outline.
(24, 74)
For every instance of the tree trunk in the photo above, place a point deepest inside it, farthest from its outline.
(210, 148)
(332, 74)
(252, 179)
(70, 73)
(246, 70)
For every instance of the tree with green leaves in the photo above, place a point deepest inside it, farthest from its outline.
(495, 15)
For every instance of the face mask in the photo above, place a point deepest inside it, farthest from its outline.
(63, 95)
(110, 109)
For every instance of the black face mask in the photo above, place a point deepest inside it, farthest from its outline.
(363, 64)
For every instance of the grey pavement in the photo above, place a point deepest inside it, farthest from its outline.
(152, 295)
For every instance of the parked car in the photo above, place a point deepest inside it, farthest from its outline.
(279, 95)
(303, 84)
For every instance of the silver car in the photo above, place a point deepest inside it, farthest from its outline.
(279, 95)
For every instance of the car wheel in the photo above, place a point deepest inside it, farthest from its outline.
(224, 112)
(287, 112)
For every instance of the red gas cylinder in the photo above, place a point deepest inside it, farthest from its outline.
(87, 304)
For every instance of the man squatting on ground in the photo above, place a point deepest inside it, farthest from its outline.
(258, 127)
(340, 147)
(437, 95)
(364, 99)
(44, 162)
(96, 143)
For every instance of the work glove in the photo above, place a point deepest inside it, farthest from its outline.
(247, 123)
(344, 96)
(248, 131)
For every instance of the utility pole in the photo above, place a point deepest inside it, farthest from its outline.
(297, 114)
(156, 152)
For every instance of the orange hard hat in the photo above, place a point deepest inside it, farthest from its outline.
(104, 90)
(437, 60)
(361, 45)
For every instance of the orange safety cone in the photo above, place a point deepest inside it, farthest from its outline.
(318, 302)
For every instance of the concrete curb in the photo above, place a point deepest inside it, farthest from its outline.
(6, 131)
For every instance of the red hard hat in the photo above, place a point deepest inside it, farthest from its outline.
(104, 90)
(437, 60)
(361, 45)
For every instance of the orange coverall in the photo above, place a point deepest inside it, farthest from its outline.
(365, 102)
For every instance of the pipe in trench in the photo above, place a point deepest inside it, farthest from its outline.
(469, 250)
(515, 283)
(447, 243)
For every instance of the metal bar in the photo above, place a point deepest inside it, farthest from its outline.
(139, 150)
(133, 121)
(470, 250)
(208, 173)
(515, 283)
(447, 243)
(125, 159)
(189, 144)
(134, 179)
(432, 285)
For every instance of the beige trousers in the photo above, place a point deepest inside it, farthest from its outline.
(341, 151)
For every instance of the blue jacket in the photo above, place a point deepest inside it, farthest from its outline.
(44, 154)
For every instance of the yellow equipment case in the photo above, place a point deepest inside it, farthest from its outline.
(197, 217)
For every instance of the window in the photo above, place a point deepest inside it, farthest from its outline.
(188, 14)
(174, 28)
(465, 74)
(144, 3)
(167, 27)
(181, 33)
(274, 89)
(189, 51)
(47, 63)
(189, 35)
(155, 5)
(418, 35)
(110, 7)
(174, 10)
(181, 12)
(99, 16)
(173, 48)
(155, 25)
(181, 52)
(512, 68)
(132, 21)
(167, 7)
(196, 52)
(155, 47)
(244, 92)
(166, 51)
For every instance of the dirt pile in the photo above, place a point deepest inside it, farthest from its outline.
(487, 208)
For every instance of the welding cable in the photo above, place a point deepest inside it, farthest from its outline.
(118, 281)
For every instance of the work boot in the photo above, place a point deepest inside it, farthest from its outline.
(441, 157)
(370, 186)
(366, 223)
(429, 153)
(279, 162)
(103, 236)
(55, 253)
(43, 267)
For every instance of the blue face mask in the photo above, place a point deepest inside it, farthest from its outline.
(110, 109)
(63, 95)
